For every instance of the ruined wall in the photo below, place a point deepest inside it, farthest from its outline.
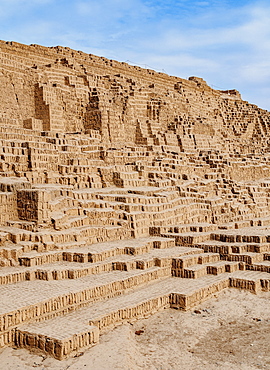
(70, 91)
(113, 177)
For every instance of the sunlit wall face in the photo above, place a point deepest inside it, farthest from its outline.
(224, 42)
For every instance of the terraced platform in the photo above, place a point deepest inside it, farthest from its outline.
(61, 306)
(123, 192)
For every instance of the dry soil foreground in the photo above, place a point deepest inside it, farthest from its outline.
(230, 331)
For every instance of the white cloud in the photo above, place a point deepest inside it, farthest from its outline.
(230, 55)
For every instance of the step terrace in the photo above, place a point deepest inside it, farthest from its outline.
(195, 258)
(263, 266)
(249, 257)
(255, 234)
(75, 270)
(250, 280)
(32, 300)
(233, 247)
(94, 252)
(69, 335)
(188, 238)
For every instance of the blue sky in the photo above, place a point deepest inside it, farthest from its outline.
(227, 43)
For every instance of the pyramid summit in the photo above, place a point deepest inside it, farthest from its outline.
(124, 191)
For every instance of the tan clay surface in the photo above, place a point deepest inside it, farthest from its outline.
(227, 332)
(125, 192)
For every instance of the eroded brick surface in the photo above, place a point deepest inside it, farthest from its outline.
(123, 191)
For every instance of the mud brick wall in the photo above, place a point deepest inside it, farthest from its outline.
(33, 205)
(71, 91)
(33, 124)
(94, 155)
(8, 207)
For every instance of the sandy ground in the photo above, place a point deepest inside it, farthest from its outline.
(231, 331)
